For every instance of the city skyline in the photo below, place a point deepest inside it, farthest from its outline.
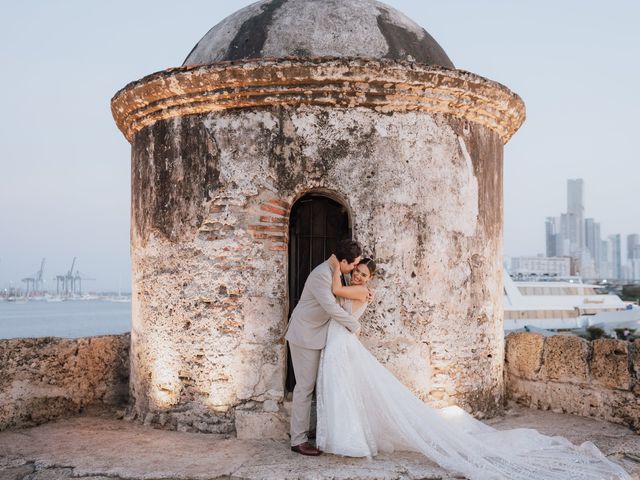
(593, 255)
(64, 171)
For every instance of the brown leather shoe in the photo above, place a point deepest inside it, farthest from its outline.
(306, 449)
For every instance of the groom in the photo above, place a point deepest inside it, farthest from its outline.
(307, 336)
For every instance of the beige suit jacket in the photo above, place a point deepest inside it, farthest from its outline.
(310, 319)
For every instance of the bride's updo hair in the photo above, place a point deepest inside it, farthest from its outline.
(370, 264)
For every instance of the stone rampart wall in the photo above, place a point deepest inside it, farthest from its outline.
(572, 375)
(42, 379)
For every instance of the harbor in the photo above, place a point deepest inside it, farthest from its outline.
(70, 318)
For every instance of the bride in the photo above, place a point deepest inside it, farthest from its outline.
(364, 410)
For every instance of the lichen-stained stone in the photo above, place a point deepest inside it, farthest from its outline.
(566, 358)
(355, 28)
(378, 84)
(587, 400)
(435, 301)
(634, 357)
(563, 385)
(524, 355)
(411, 148)
(42, 379)
(610, 363)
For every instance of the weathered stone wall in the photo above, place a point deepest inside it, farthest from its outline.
(45, 378)
(211, 197)
(571, 375)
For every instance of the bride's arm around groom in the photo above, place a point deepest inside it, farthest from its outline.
(310, 318)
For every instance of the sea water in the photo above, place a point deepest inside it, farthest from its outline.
(67, 319)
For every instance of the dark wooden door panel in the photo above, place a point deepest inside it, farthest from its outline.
(316, 225)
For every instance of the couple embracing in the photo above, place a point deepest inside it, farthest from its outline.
(363, 409)
(309, 328)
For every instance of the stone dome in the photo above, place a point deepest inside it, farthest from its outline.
(318, 28)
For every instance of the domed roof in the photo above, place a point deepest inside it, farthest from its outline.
(318, 28)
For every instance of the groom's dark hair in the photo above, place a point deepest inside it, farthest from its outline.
(348, 250)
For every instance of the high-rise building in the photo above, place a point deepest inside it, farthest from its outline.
(564, 238)
(593, 242)
(575, 215)
(633, 246)
(615, 256)
(604, 267)
(552, 233)
(571, 235)
(575, 188)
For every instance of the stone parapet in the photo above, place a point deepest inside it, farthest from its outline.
(571, 375)
(42, 379)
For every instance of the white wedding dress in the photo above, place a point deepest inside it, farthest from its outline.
(363, 410)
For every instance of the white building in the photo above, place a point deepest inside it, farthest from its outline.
(540, 266)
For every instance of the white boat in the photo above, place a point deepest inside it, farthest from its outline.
(56, 299)
(119, 299)
(564, 305)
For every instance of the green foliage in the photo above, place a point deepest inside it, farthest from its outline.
(630, 293)
(594, 333)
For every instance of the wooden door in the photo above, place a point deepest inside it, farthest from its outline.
(316, 224)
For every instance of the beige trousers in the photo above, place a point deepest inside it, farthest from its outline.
(305, 366)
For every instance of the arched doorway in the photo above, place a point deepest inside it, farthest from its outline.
(316, 224)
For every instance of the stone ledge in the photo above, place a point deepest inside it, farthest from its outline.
(569, 374)
(387, 86)
(261, 425)
(90, 447)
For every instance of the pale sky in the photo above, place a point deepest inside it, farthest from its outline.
(64, 166)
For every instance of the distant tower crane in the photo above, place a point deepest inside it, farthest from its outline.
(70, 284)
(65, 283)
(30, 281)
(69, 281)
(78, 278)
(59, 282)
(39, 282)
(35, 283)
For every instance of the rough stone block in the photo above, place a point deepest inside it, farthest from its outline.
(566, 359)
(46, 378)
(16, 473)
(270, 406)
(610, 364)
(261, 425)
(634, 355)
(524, 355)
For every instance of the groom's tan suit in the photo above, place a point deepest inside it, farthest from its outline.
(307, 336)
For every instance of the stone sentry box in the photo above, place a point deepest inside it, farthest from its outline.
(293, 100)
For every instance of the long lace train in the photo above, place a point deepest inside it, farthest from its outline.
(363, 409)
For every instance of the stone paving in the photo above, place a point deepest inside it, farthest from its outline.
(96, 446)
